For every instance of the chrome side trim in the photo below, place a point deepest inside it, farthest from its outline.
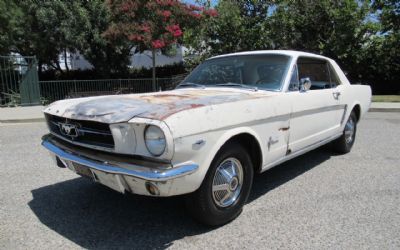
(144, 173)
(318, 110)
(283, 117)
(300, 152)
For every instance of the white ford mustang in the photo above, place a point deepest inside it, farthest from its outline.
(235, 115)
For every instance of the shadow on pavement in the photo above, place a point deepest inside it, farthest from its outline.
(94, 216)
(287, 171)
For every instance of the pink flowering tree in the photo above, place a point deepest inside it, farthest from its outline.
(153, 24)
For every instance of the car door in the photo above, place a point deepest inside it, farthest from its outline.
(316, 113)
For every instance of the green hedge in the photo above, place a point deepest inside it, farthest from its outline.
(161, 72)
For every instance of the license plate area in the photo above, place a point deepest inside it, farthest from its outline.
(82, 170)
(112, 181)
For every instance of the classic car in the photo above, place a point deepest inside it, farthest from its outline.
(234, 116)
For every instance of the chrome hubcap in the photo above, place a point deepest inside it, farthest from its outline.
(349, 130)
(227, 183)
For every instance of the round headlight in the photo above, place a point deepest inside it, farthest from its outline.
(155, 140)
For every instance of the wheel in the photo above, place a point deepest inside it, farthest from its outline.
(225, 188)
(344, 143)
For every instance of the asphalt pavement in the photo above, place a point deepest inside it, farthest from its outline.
(317, 201)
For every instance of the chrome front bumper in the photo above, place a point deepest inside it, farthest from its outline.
(122, 176)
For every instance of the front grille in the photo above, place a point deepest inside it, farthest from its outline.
(83, 132)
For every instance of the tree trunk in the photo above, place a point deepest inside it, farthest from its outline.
(66, 60)
(59, 67)
(40, 67)
(153, 58)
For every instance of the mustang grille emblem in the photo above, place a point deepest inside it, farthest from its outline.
(71, 130)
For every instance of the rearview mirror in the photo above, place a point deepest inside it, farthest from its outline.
(305, 84)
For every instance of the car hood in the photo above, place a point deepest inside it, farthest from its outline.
(157, 105)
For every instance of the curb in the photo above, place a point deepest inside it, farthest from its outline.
(384, 110)
(23, 120)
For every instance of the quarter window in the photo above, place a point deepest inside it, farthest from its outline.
(315, 69)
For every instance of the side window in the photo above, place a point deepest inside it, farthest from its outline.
(294, 80)
(315, 69)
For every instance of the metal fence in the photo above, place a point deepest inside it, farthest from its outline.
(57, 90)
(19, 83)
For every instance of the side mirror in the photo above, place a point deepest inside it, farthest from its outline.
(305, 84)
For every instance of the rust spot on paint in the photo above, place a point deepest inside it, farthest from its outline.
(171, 96)
(284, 129)
(173, 109)
(160, 105)
(196, 105)
(165, 98)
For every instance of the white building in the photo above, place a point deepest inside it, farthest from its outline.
(76, 61)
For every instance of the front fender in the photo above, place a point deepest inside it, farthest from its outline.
(189, 148)
(229, 135)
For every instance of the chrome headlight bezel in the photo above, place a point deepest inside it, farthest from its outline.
(139, 125)
(155, 140)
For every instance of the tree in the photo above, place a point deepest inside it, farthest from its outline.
(337, 29)
(10, 28)
(106, 56)
(152, 25)
(47, 30)
(240, 25)
(381, 55)
(389, 14)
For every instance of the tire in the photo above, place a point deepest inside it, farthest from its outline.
(345, 142)
(214, 207)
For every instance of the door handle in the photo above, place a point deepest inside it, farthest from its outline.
(336, 95)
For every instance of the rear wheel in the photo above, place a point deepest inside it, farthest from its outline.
(345, 142)
(225, 188)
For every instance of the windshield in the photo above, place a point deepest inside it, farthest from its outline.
(250, 71)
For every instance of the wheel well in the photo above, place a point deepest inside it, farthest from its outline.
(357, 111)
(250, 143)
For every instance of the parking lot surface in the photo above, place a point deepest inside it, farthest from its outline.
(319, 200)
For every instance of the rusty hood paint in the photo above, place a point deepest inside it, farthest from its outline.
(157, 105)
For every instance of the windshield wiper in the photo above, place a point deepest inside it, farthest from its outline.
(233, 84)
(190, 84)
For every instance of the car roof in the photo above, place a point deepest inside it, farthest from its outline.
(291, 53)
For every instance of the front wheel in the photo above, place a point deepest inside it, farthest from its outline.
(344, 143)
(225, 188)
